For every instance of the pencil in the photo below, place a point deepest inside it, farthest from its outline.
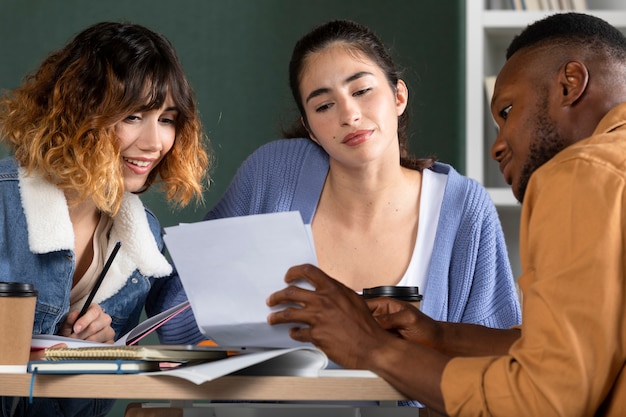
(94, 290)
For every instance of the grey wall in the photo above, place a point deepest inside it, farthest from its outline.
(236, 52)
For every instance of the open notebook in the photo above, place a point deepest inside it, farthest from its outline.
(42, 341)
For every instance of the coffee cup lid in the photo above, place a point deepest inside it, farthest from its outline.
(17, 289)
(397, 292)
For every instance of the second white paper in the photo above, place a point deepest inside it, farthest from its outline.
(230, 266)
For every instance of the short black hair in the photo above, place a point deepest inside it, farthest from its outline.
(572, 29)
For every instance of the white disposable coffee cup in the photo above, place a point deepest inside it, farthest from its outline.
(17, 313)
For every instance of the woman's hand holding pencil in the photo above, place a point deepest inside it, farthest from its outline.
(94, 325)
(91, 322)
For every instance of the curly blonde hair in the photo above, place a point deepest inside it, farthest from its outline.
(60, 123)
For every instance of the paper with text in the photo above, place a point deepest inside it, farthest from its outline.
(230, 266)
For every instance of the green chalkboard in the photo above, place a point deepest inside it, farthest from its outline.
(235, 53)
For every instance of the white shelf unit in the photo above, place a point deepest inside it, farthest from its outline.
(488, 34)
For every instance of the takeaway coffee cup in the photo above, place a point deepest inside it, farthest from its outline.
(410, 294)
(17, 312)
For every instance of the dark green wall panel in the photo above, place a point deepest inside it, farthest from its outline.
(236, 53)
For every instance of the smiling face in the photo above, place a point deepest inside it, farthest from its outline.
(350, 107)
(529, 133)
(145, 137)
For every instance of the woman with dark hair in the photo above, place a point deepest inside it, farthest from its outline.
(100, 121)
(360, 39)
(378, 215)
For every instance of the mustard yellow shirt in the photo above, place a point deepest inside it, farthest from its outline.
(570, 358)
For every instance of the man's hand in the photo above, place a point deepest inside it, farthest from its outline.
(339, 322)
(405, 320)
(333, 317)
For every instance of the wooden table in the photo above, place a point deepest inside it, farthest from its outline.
(246, 388)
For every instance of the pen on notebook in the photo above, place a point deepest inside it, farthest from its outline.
(94, 290)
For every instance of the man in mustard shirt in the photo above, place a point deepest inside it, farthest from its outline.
(560, 106)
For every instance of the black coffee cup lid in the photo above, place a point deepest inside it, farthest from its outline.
(17, 289)
(397, 292)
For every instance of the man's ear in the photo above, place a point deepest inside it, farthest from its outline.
(306, 126)
(574, 78)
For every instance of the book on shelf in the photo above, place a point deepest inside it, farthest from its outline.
(538, 5)
(517, 4)
(498, 4)
(532, 5)
(490, 84)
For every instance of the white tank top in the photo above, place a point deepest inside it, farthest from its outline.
(433, 187)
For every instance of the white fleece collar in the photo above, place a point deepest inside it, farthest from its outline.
(50, 229)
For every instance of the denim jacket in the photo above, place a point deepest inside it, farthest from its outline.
(37, 246)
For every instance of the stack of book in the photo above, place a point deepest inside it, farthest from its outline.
(124, 359)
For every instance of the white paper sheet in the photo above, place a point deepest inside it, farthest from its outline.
(230, 266)
(283, 362)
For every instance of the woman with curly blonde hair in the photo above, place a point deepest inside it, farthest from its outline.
(100, 121)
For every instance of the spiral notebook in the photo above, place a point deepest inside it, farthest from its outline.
(158, 353)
